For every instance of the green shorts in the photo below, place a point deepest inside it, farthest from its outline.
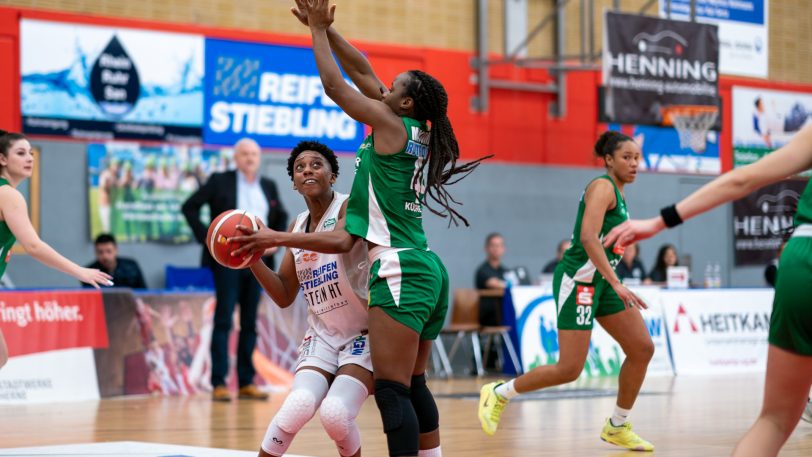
(791, 320)
(411, 286)
(579, 303)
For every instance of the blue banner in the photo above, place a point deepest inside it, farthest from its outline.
(272, 94)
(747, 11)
(663, 152)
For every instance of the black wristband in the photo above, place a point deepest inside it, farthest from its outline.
(670, 216)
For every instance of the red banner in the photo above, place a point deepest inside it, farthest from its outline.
(41, 321)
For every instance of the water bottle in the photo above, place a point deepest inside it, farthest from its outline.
(717, 275)
(708, 276)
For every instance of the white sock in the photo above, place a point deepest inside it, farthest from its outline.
(436, 452)
(506, 390)
(620, 415)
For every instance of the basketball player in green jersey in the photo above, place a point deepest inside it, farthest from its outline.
(586, 288)
(789, 357)
(17, 164)
(400, 162)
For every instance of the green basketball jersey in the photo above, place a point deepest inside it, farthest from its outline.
(804, 213)
(386, 205)
(6, 239)
(576, 262)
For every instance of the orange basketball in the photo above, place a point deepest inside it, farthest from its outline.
(218, 238)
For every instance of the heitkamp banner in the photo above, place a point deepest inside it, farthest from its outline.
(651, 63)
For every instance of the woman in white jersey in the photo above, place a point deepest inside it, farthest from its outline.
(334, 370)
(789, 357)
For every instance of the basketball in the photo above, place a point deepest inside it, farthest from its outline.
(218, 239)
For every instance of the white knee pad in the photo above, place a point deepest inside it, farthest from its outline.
(309, 389)
(338, 412)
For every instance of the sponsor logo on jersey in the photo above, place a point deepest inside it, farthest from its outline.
(329, 223)
(358, 345)
(618, 249)
(584, 295)
(413, 207)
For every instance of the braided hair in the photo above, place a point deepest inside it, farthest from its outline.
(431, 104)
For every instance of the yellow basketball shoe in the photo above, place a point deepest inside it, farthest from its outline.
(623, 436)
(490, 407)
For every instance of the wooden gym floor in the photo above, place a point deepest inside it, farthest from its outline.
(684, 416)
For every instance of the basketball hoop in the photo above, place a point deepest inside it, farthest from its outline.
(692, 122)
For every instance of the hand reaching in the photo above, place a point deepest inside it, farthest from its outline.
(94, 277)
(320, 15)
(633, 230)
(300, 11)
(255, 240)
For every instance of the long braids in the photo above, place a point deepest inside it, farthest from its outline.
(431, 103)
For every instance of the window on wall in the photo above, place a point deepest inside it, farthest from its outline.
(30, 189)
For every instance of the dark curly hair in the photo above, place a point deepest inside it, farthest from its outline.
(314, 146)
(609, 142)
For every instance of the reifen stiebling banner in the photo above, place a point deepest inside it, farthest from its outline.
(272, 94)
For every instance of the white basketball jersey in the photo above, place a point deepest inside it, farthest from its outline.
(334, 285)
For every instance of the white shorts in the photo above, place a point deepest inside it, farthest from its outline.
(316, 352)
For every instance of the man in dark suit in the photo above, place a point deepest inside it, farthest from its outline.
(244, 189)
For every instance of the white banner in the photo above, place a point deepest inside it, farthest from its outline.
(743, 31)
(54, 376)
(536, 324)
(718, 331)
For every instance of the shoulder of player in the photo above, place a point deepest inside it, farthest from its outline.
(600, 191)
(10, 194)
(600, 185)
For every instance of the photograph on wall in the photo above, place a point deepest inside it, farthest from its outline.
(135, 192)
(87, 81)
(743, 31)
(272, 94)
(765, 120)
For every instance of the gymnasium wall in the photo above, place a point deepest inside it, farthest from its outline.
(534, 207)
(448, 24)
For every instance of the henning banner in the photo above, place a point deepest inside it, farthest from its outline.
(650, 64)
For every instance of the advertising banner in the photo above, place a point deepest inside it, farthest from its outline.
(536, 324)
(722, 331)
(161, 344)
(272, 94)
(136, 191)
(650, 63)
(662, 151)
(87, 81)
(765, 120)
(50, 337)
(763, 219)
(743, 31)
